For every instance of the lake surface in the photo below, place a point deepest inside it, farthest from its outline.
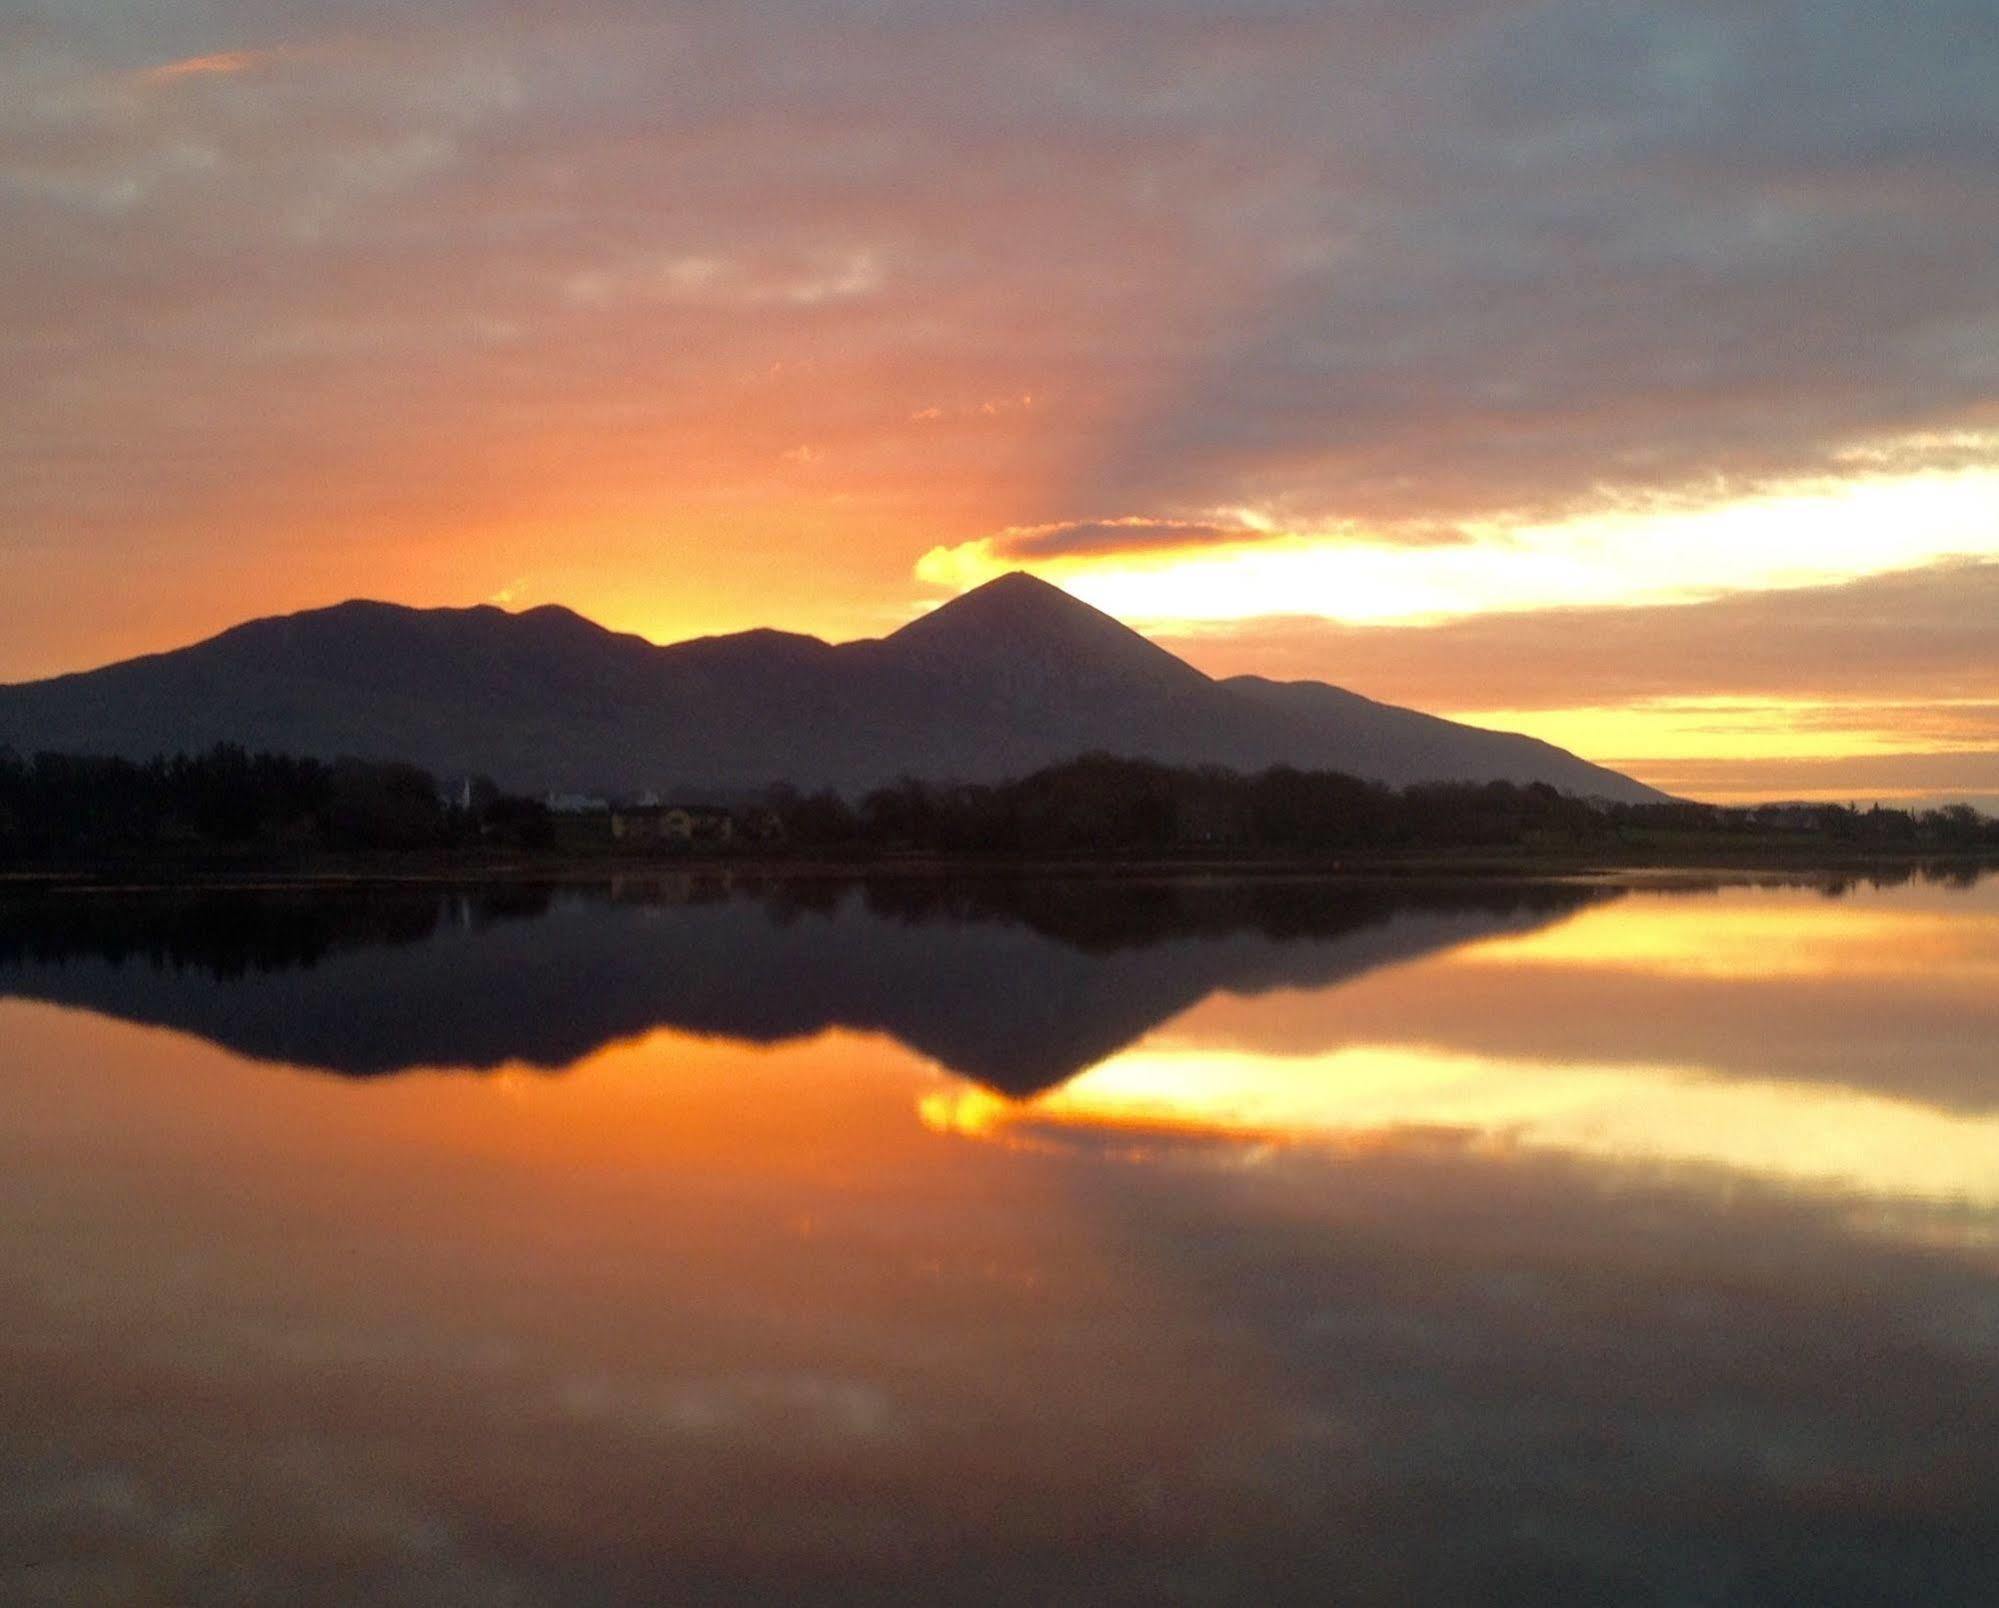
(1265, 1240)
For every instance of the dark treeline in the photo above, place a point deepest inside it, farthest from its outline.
(1104, 804)
(62, 805)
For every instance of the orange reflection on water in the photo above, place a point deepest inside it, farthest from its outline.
(739, 1275)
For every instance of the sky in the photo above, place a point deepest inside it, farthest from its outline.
(1624, 373)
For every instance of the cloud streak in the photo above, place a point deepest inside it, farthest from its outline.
(222, 63)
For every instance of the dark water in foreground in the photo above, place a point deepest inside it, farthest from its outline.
(1047, 1242)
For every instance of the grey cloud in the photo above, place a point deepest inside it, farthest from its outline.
(1099, 536)
(1138, 534)
(1920, 635)
(1617, 247)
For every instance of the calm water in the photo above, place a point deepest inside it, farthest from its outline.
(1041, 1242)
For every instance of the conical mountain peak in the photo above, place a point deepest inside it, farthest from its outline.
(1024, 620)
(1016, 597)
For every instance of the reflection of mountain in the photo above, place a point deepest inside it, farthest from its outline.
(1018, 983)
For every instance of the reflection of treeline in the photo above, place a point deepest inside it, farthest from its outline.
(1099, 803)
(1100, 915)
(231, 933)
(66, 804)
(228, 933)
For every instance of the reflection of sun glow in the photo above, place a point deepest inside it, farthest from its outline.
(972, 1112)
(1685, 939)
(1795, 1134)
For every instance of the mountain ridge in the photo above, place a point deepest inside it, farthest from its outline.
(1004, 679)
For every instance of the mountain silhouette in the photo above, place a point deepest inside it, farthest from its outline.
(1015, 984)
(1001, 681)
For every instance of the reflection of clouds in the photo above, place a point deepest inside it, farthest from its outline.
(1762, 1033)
(112, 1534)
(1799, 1136)
(733, 1406)
(1900, 1017)
(1749, 941)
(1549, 1382)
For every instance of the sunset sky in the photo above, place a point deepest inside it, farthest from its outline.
(1624, 373)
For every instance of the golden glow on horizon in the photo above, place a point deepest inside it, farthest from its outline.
(1656, 729)
(1809, 535)
(1714, 785)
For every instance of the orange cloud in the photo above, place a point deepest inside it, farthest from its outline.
(220, 64)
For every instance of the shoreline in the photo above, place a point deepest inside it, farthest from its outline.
(428, 867)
